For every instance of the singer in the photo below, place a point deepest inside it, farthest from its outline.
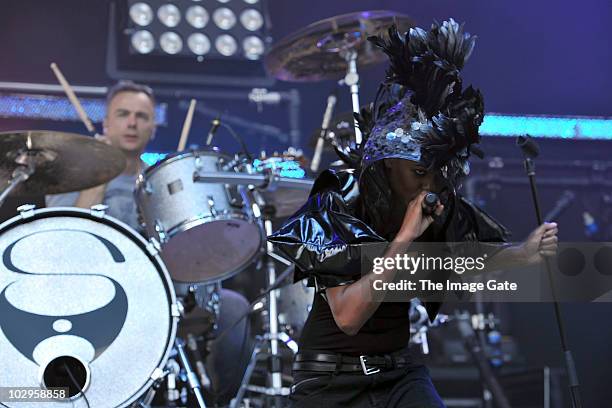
(419, 134)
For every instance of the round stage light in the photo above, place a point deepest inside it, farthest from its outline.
(143, 41)
(169, 15)
(226, 45)
(253, 47)
(251, 19)
(224, 18)
(197, 16)
(171, 42)
(141, 14)
(198, 43)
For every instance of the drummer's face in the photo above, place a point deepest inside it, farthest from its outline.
(130, 121)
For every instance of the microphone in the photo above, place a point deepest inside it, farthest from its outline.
(528, 146)
(429, 203)
(329, 110)
(213, 129)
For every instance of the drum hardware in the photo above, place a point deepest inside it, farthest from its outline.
(20, 175)
(211, 206)
(273, 334)
(161, 233)
(420, 324)
(192, 378)
(352, 81)
(493, 390)
(257, 180)
(192, 345)
(26, 210)
(173, 371)
(98, 210)
(323, 133)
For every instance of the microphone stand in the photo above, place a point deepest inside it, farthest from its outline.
(530, 150)
(329, 110)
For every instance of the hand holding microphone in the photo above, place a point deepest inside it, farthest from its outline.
(419, 215)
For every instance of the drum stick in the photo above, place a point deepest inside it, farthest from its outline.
(186, 126)
(73, 98)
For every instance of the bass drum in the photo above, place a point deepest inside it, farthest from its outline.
(85, 303)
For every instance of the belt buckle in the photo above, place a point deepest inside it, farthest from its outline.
(366, 370)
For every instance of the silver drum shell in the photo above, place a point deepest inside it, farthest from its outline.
(205, 235)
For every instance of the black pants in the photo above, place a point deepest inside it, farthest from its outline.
(406, 387)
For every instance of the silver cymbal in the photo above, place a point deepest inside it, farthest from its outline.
(63, 162)
(317, 51)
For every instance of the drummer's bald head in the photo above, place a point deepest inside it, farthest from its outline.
(129, 86)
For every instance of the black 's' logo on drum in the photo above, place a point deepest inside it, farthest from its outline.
(26, 330)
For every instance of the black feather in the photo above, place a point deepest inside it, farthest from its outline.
(427, 63)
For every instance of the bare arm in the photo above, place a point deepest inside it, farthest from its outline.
(541, 242)
(95, 195)
(350, 304)
(91, 196)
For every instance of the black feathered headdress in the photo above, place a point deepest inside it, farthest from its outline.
(421, 111)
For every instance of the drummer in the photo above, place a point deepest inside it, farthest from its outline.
(129, 125)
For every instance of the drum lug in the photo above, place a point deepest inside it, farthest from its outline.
(142, 182)
(174, 310)
(211, 206)
(153, 247)
(157, 374)
(26, 210)
(98, 210)
(161, 232)
(197, 162)
(146, 185)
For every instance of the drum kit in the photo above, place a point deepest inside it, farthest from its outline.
(89, 304)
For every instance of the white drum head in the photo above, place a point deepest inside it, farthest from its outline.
(76, 288)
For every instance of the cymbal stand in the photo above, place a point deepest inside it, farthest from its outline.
(173, 369)
(272, 335)
(192, 377)
(352, 81)
(26, 164)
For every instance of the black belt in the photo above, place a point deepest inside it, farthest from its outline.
(322, 362)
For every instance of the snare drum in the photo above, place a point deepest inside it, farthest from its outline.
(83, 298)
(206, 230)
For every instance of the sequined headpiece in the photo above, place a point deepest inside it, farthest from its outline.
(421, 111)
